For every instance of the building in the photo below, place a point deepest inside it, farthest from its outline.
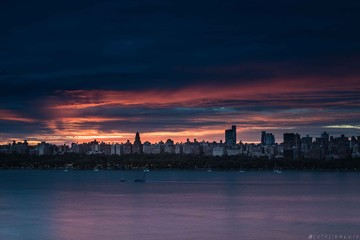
(230, 136)
(116, 149)
(169, 147)
(178, 148)
(105, 148)
(127, 148)
(45, 149)
(137, 147)
(233, 152)
(95, 148)
(19, 147)
(218, 151)
(324, 143)
(191, 148)
(267, 139)
(291, 146)
(306, 144)
(149, 148)
(207, 149)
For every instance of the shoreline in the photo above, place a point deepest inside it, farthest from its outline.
(187, 170)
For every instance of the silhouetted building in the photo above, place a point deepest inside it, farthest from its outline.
(116, 149)
(95, 148)
(45, 148)
(169, 147)
(179, 148)
(156, 148)
(137, 147)
(267, 138)
(19, 147)
(306, 144)
(324, 143)
(291, 146)
(291, 140)
(218, 151)
(340, 147)
(192, 148)
(127, 148)
(230, 136)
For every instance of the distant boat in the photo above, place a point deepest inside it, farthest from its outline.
(209, 170)
(65, 170)
(277, 169)
(122, 180)
(241, 171)
(96, 170)
(143, 179)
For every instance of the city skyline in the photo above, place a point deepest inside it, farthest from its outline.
(73, 72)
(229, 138)
(293, 147)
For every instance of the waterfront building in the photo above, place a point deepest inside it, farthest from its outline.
(116, 149)
(137, 147)
(230, 136)
(127, 148)
(156, 148)
(267, 138)
(218, 151)
(306, 144)
(169, 147)
(233, 152)
(44, 148)
(207, 149)
(178, 148)
(192, 148)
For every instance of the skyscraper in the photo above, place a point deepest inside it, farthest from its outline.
(267, 138)
(324, 142)
(291, 140)
(230, 136)
(291, 145)
(263, 136)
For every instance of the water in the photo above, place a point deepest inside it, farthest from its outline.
(85, 205)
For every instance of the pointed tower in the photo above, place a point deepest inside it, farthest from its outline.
(137, 138)
(137, 147)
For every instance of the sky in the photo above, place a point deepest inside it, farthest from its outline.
(75, 71)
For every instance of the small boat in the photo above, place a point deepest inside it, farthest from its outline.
(96, 170)
(143, 177)
(122, 180)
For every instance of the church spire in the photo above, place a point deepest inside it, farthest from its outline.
(137, 138)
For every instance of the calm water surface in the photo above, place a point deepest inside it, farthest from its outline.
(87, 205)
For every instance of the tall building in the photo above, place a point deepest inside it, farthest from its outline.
(267, 139)
(306, 144)
(291, 146)
(137, 146)
(324, 142)
(230, 136)
(291, 140)
(263, 135)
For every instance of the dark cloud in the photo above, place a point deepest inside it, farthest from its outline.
(48, 47)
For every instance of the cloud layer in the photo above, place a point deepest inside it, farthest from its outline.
(106, 69)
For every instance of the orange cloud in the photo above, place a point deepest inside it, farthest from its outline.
(199, 95)
(8, 115)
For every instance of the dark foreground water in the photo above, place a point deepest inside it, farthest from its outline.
(197, 205)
